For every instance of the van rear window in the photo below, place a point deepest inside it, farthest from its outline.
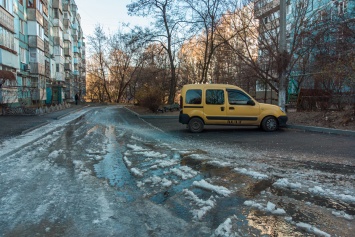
(193, 96)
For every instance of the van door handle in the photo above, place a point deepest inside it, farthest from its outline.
(222, 108)
(231, 108)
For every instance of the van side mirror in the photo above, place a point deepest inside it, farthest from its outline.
(251, 102)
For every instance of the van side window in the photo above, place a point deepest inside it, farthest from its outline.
(215, 97)
(193, 96)
(236, 97)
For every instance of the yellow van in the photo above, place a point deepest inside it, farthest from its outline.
(220, 104)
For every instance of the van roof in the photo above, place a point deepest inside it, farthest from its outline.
(191, 86)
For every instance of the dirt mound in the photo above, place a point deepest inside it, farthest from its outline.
(344, 120)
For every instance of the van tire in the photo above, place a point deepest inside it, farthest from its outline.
(196, 125)
(269, 124)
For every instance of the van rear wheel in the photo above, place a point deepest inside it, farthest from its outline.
(195, 125)
(269, 124)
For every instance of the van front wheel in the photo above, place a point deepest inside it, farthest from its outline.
(195, 125)
(269, 124)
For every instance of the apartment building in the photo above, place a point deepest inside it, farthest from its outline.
(268, 14)
(318, 33)
(326, 37)
(36, 59)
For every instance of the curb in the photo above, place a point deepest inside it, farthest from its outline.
(158, 116)
(322, 130)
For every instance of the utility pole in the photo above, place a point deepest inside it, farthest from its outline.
(282, 55)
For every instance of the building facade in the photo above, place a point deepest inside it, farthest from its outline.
(37, 40)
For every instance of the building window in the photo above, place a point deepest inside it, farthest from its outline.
(5, 4)
(23, 55)
(22, 27)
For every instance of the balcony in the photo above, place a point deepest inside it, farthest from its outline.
(59, 76)
(37, 68)
(68, 67)
(67, 7)
(58, 41)
(34, 15)
(68, 52)
(67, 23)
(67, 37)
(57, 4)
(46, 46)
(57, 23)
(8, 95)
(7, 20)
(35, 42)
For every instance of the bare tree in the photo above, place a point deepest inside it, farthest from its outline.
(98, 66)
(205, 17)
(166, 31)
(125, 59)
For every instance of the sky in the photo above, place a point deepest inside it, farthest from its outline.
(108, 13)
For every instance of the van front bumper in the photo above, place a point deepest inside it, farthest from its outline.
(282, 121)
(184, 118)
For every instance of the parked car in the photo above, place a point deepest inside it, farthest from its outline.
(221, 104)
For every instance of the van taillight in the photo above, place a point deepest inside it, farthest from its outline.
(181, 100)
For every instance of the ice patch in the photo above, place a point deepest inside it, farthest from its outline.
(316, 190)
(153, 154)
(128, 163)
(137, 172)
(55, 154)
(311, 229)
(166, 163)
(270, 207)
(218, 189)
(184, 172)
(225, 229)
(156, 181)
(343, 215)
(135, 147)
(284, 183)
(253, 174)
(205, 205)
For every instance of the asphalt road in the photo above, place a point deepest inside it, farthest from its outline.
(103, 171)
(285, 141)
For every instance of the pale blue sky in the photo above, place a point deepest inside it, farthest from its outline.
(108, 13)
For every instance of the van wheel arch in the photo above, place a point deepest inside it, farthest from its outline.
(270, 124)
(196, 124)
